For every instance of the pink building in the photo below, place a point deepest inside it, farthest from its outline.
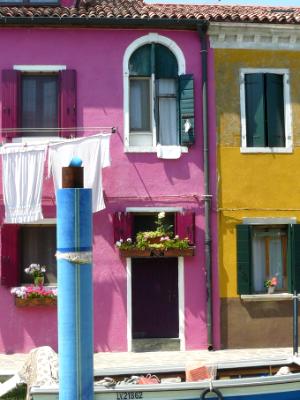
(136, 68)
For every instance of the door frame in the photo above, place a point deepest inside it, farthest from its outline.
(180, 303)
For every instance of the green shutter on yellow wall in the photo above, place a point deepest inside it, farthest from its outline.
(275, 110)
(293, 258)
(243, 244)
(255, 110)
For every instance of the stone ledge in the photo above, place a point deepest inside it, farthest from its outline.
(267, 297)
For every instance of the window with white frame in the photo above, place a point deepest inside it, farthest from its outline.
(160, 100)
(265, 110)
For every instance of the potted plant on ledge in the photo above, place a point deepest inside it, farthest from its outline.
(271, 284)
(37, 294)
(37, 272)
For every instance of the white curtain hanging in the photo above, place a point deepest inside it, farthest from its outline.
(22, 180)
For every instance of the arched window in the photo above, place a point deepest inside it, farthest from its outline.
(161, 103)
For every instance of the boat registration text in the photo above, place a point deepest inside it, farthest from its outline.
(129, 395)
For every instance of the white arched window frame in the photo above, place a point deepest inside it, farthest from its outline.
(147, 39)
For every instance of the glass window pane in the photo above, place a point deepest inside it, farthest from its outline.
(38, 246)
(268, 257)
(167, 87)
(39, 104)
(258, 262)
(276, 258)
(167, 111)
(139, 105)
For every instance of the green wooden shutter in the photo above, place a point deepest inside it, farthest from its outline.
(140, 62)
(294, 258)
(255, 110)
(275, 110)
(165, 63)
(186, 109)
(243, 243)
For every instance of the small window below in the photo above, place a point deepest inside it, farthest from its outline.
(38, 246)
(269, 257)
(143, 222)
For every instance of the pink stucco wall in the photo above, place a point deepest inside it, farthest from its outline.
(132, 180)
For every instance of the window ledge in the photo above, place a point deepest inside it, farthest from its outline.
(267, 297)
(266, 150)
(148, 149)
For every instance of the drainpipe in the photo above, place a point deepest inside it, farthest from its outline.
(202, 30)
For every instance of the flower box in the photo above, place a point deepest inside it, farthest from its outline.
(190, 251)
(134, 252)
(35, 302)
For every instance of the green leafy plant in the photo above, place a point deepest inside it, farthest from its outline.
(271, 282)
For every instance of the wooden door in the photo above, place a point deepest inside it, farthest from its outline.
(155, 298)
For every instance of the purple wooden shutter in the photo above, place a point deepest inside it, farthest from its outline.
(10, 102)
(185, 225)
(68, 110)
(10, 255)
(122, 226)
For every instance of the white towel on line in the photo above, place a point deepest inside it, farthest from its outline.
(22, 180)
(94, 152)
(168, 152)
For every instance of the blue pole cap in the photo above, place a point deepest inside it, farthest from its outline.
(75, 162)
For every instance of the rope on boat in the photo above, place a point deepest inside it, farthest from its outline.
(211, 390)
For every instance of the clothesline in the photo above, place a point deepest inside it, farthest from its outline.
(47, 143)
(23, 172)
(75, 128)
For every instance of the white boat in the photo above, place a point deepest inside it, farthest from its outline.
(255, 380)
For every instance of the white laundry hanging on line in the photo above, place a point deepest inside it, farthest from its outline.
(22, 181)
(95, 154)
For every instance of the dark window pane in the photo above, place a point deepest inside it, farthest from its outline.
(146, 222)
(255, 110)
(275, 110)
(38, 246)
(140, 105)
(140, 61)
(165, 63)
(39, 109)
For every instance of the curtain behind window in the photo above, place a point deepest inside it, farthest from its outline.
(39, 100)
(139, 105)
(38, 246)
(167, 110)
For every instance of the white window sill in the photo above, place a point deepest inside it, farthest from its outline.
(146, 149)
(266, 150)
(267, 297)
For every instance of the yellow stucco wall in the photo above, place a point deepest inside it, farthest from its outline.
(251, 185)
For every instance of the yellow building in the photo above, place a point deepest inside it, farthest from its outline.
(257, 75)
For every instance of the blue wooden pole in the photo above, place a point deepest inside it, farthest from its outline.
(75, 294)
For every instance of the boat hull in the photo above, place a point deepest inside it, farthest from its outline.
(258, 388)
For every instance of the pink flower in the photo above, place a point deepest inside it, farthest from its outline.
(274, 281)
